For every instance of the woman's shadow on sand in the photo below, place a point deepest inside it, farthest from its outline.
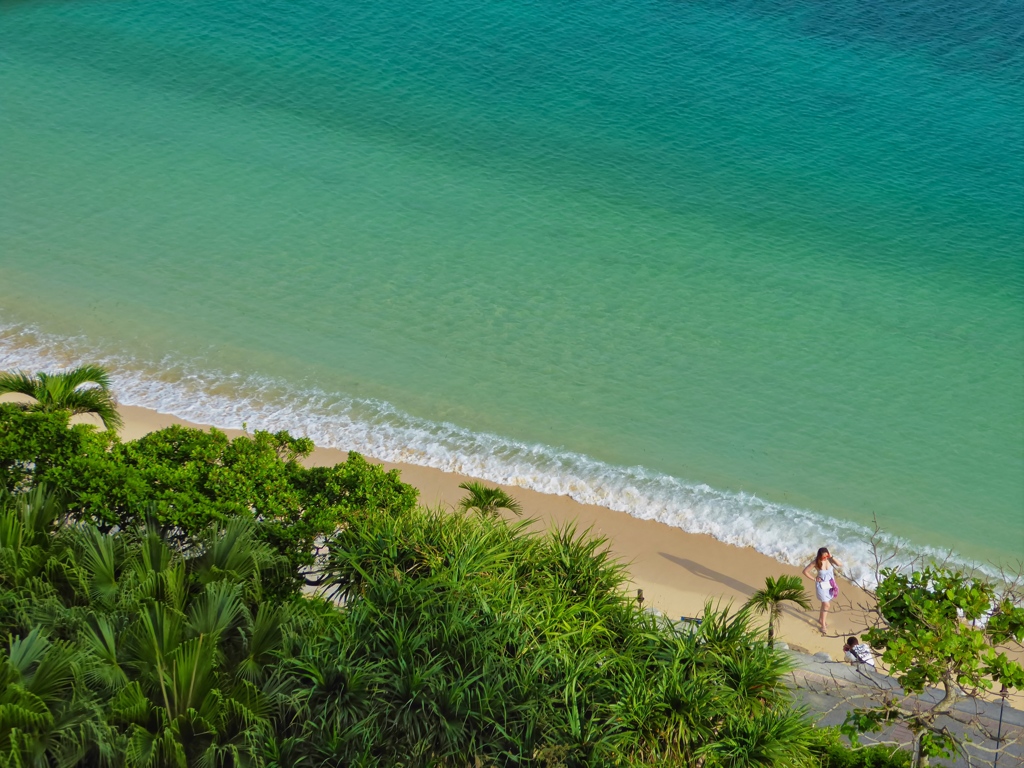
(743, 588)
(711, 575)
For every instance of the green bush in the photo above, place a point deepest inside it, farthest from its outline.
(466, 638)
(462, 641)
(832, 752)
(189, 479)
(35, 443)
(149, 617)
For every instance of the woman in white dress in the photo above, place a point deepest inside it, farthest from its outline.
(825, 587)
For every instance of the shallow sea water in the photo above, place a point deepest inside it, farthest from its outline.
(751, 269)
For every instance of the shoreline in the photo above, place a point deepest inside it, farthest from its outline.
(677, 571)
(782, 532)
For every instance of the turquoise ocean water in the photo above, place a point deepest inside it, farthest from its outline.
(753, 269)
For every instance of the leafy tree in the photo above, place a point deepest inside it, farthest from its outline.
(32, 443)
(770, 599)
(85, 389)
(487, 501)
(188, 479)
(942, 628)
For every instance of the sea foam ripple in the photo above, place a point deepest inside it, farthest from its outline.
(379, 430)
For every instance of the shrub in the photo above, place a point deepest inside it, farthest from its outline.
(189, 479)
(467, 638)
(832, 752)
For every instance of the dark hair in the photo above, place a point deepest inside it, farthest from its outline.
(852, 641)
(817, 558)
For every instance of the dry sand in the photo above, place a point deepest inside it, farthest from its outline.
(677, 571)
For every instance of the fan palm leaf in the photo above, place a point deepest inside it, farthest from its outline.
(85, 389)
(46, 717)
(27, 524)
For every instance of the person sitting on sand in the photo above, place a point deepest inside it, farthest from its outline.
(825, 587)
(857, 652)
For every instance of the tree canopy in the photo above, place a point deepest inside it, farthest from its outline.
(188, 479)
(941, 627)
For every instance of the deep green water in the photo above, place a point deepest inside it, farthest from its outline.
(755, 269)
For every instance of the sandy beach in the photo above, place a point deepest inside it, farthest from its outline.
(677, 571)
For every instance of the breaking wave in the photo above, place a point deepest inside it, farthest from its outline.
(379, 430)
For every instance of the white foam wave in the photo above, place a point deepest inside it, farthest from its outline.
(379, 430)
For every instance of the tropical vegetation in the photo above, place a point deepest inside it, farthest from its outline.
(944, 628)
(191, 600)
(85, 389)
(189, 479)
(770, 599)
(487, 501)
(461, 639)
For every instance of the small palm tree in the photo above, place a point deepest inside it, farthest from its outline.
(85, 389)
(770, 599)
(487, 501)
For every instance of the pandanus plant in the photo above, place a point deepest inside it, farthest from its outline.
(467, 640)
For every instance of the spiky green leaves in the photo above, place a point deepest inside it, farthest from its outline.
(473, 640)
(162, 654)
(47, 717)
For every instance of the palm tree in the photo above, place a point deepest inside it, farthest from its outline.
(770, 599)
(180, 643)
(85, 389)
(487, 501)
(48, 715)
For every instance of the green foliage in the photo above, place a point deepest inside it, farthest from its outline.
(830, 752)
(463, 641)
(466, 638)
(487, 501)
(33, 443)
(85, 389)
(770, 599)
(121, 648)
(932, 635)
(944, 629)
(47, 715)
(188, 479)
(148, 617)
